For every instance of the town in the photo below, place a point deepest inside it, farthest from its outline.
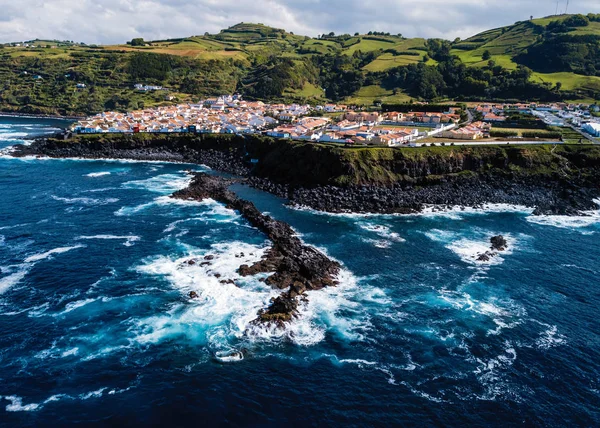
(341, 124)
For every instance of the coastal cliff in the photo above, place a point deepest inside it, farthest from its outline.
(561, 179)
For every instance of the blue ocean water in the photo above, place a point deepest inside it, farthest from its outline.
(96, 327)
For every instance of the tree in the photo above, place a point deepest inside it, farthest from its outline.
(558, 86)
(357, 34)
(486, 56)
(137, 42)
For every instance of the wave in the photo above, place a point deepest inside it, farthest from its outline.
(477, 243)
(130, 240)
(221, 317)
(567, 222)
(453, 213)
(382, 231)
(76, 305)
(163, 201)
(13, 279)
(16, 402)
(165, 184)
(47, 254)
(378, 243)
(12, 136)
(85, 201)
(550, 338)
(97, 174)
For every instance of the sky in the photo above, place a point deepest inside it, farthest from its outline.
(117, 21)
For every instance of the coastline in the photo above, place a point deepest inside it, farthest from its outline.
(546, 193)
(293, 266)
(39, 116)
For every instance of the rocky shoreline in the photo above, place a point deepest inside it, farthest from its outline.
(295, 268)
(547, 195)
(474, 192)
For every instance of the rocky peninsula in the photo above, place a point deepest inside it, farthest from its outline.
(561, 179)
(296, 268)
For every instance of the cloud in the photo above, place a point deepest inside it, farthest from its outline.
(116, 21)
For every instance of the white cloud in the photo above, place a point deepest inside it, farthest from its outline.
(116, 21)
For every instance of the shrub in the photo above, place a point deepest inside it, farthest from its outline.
(503, 133)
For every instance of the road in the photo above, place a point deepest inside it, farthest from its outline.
(492, 143)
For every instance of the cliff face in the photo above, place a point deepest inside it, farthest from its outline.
(309, 165)
(555, 179)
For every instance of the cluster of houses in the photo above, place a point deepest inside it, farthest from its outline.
(370, 128)
(472, 131)
(232, 114)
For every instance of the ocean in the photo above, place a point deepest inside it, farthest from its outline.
(96, 326)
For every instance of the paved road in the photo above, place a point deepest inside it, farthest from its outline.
(493, 143)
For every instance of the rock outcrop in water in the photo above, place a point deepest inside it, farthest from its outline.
(499, 244)
(296, 267)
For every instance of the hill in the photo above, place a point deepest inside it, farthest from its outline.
(553, 58)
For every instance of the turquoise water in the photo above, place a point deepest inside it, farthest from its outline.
(96, 328)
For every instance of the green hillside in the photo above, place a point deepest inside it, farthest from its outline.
(554, 58)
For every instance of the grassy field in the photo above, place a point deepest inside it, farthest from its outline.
(569, 80)
(308, 92)
(367, 45)
(367, 95)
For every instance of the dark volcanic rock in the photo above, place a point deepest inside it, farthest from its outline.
(463, 179)
(193, 295)
(296, 267)
(499, 243)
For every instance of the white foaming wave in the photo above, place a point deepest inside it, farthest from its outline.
(469, 249)
(160, 201)
(47, 254)
(504, 313)
(12, 136)
(342, 310)
(13, 279)
(94, 394)
(97, 174)
(76, 305)
(16, 402)
(550, 338)
(223, 312)
(164, 184)
(490, 373)
(455, 212)
(86, 201)
(130, 240)
(14, 226)
(378, 243)
(382, 231)
(567, 222)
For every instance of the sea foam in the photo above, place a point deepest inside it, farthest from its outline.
(97, 174)
(130, 240)
(47, 254)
